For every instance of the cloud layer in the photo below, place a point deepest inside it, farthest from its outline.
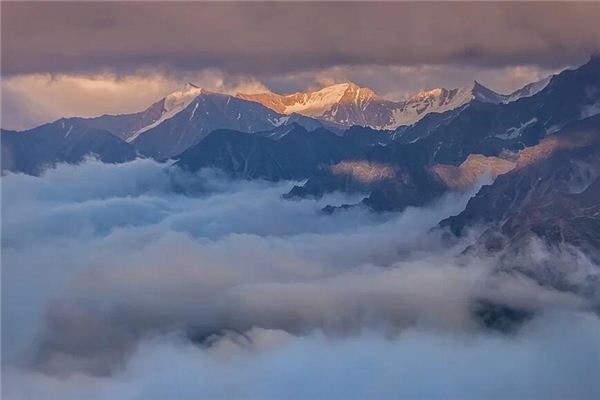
(556, 357)
(262, 38)
(107, 270)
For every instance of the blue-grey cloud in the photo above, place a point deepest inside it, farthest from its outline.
(107, 270)
(555, 357)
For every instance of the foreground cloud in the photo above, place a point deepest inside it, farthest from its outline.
(555, 357)
(107, 270)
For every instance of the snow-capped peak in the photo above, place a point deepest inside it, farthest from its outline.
(312, 103)
(317, 102)
(348, 104)
(485, 95)
(181, 98)
(172, 104)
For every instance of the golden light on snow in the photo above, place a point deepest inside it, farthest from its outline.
(363, 171)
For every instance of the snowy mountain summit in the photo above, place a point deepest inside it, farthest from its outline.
(170, 105)
(349, 104)
(313, 103)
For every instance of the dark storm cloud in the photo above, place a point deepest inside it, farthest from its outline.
(264, 38)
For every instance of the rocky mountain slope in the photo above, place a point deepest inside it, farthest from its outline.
(206, 113)
(543, 217)
(67, 141)
(128, 126)
(296, 155)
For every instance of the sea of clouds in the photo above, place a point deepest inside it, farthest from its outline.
(118, 284)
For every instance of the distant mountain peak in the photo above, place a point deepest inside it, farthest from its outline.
(479, 87)
(172, 104)
(186, 93)
(355, 93)
(485, 94)
(314, 103)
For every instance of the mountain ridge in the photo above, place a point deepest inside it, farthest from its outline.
(349, 104)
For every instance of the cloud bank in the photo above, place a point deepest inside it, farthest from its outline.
(117, 286)
(554, 358)
(86, 37)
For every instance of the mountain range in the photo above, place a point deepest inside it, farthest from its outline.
(186, 116)
(539, 149)
(349, 104)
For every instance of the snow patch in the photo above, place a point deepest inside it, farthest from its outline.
(513, 132)
(280, 121)
(69, 131)
(193, 111)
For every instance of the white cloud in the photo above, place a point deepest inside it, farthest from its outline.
(106, 270)
(556, 357)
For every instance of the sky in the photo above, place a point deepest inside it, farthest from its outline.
(86, 59)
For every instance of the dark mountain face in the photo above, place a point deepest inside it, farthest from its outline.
(123, 125)
(296, 155)
(368, 136)
(554, 240)
(61, 141)
(427, 125)
(558, 219)
(393, 177)
(544, 217)
(571, 164)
